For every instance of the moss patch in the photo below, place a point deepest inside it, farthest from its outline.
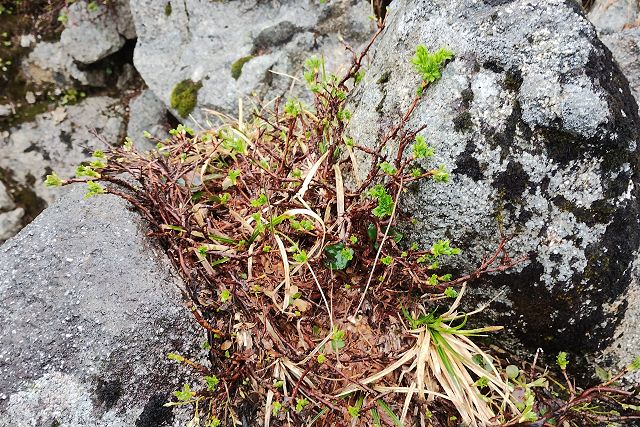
(167, 9)
(184, 97)
(236, 67)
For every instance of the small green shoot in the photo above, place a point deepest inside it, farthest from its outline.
(93, 189)
(53, 180)
(561, 360)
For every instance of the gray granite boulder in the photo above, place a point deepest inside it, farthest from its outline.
(94, 31)
(241, 48)
(50, 62)
(58, 141)
(147, 113)
(10, 222)
(90, 310)
(540, 130)
(611, 16)
(625, 47)
(91, 33)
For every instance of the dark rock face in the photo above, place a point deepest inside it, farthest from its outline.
(540, 129)
(90, 311)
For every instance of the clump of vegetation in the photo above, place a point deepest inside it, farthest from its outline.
(184, 97)
(317, 307)
(236, 67)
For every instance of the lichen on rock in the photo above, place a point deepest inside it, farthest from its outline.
(540, 129)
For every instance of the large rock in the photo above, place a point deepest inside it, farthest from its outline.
(147, 113)
(203, 41)
(90, 310)
(625, 47)
(50, 62)
(610, 16)
(540, 130)
(58, 141)
(92, 33)
(10, 222)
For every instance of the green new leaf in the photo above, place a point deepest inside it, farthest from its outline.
(233, 175)
(276, 406)
(385, 201)
(562, 361)
(86, 171)
(386, 260)
(512, 371)
(635, 365)
(53, 180)
(441, 174)
(429, 65)
(451, 293)
(212, 382)
(300, 404)
(176, 357)
(128, 144)
(387, 168)
(442, 247)
(184, 394)
(354, 411)
(292, 108)
(93, 189)
(338, 256)
(98, 164)
(337, 340)
(300, 256)
(260, 201)
(421, 149)
(225, 295)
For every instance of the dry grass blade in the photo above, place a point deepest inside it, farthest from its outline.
(339, 201)
(287, 277)
(310, 175)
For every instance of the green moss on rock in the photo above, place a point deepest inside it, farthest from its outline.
(236, 67)
(167, 9)
(184, 97)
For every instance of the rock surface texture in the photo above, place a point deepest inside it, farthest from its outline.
(58, 141)
(90, 311)
(625, 47)
(10, 215)
(611, 16)
(146, 113)
(91, 34)
(240, 48)
(540, 130)
(49, 62)
(617, 23)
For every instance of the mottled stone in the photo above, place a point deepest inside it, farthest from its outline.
(51, 63)
(540, 131)
(625, 47)
(147, 113)
(90, 309)
(6, 202)
(59, 141)
(201, 40)
(10, 223)
(610, 16)
(91, 34)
